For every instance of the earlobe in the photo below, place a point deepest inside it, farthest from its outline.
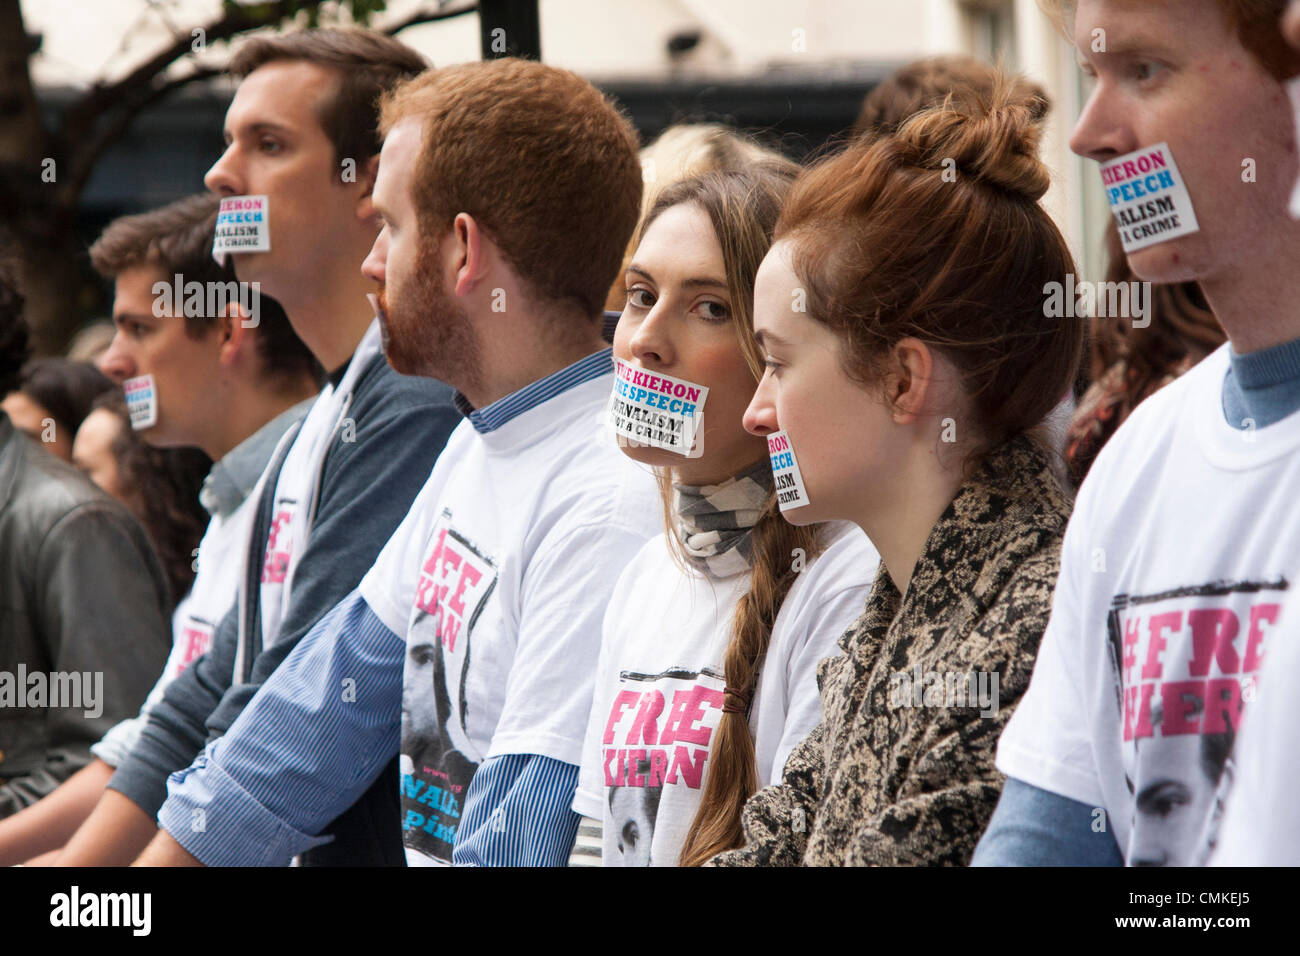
(366, 178)
(471, 253)
(914, 364)
(230, 326)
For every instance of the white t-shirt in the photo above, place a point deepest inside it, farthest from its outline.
(498, 578)
(1174, 568)
(211, 596)
(659, 688)
(1262, 824)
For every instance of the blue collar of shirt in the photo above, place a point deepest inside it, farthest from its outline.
(1267, 367)
(492, 417)
(1262, 387)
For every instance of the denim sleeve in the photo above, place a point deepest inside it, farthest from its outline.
(517, 813)
(306, 747)
(1035, 827)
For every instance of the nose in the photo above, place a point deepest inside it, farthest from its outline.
(1103, 130)
(651, 343)
(223, 178)
(760, 416)
(115, 362)
(373, 266)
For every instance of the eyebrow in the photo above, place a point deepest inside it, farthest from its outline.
(687, 283)
(1127, 45)
(261, 127)
(1151, 794)
(765, 338)
(119, 318)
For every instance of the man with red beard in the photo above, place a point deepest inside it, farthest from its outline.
(509, 190)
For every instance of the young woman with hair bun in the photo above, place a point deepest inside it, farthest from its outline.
(910, 365)
(707, 675)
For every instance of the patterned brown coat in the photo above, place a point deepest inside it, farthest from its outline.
(882, 781)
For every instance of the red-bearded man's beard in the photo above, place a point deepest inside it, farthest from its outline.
(426, 332)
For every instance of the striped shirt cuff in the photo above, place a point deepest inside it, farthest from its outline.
(517, 813)
(241, 833)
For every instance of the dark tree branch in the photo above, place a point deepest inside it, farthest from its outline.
(82, 162)
(427, 16)
(80, 115)
(123, 99)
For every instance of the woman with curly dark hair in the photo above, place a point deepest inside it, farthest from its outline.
(160, 486)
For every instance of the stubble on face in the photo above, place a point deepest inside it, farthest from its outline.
(425, 331)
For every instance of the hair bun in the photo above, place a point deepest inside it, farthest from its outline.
(994, 141)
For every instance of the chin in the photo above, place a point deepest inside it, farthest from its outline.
(396, 356)
(254, 267)
(802, 517)
(155, 436)
(1166, 262)
(649, 455)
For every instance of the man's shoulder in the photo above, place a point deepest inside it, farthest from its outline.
(1158, 423)
(47, 490)
(597, 484)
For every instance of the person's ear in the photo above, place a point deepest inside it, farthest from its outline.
(232, 333)
(471, 251)
(366, 176)
(909, 379)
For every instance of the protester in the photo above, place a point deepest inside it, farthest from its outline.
(300, 132)
(159, 486)
(83, 604)
(909, 369)
(1180, 549)
(495, 257)
(732, 607)
(52, 400)
(222, 384)
(1164, 331)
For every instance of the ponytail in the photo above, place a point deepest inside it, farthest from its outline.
(732, 777)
